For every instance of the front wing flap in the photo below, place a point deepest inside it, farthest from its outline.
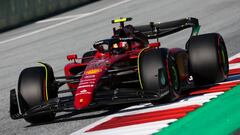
(14, 108)
(53, 105)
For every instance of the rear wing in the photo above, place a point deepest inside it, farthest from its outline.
(157, 30)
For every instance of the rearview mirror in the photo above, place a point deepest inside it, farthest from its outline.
(71, 57)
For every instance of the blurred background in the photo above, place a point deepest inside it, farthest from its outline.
(14, 13)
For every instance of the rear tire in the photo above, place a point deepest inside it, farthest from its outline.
(208, 59)
(35, 88)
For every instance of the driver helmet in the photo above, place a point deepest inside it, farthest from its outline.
(124, 45)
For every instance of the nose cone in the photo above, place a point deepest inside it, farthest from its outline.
(82, 99)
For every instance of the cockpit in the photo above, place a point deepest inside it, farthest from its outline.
(116, 46)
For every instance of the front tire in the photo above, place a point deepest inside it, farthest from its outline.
(34, 88)
(158, 73)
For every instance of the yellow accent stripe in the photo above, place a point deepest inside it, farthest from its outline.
(120, 20)
(138, 63)
(46, 75)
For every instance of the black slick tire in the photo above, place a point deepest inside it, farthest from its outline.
(34, 88)
(158, 73)
(208, 58)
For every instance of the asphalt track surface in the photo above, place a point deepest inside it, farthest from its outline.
(75, 31)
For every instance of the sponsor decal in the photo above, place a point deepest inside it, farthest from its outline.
(81, 100)
(98, 42)
(93, 71)
(87, 80)
(83, 83)
(89, 76)
(83, 92)
(85, 86)
(190, 78)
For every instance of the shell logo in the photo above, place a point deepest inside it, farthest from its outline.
(93, 71)
(81, 100)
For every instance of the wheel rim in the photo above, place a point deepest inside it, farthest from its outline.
(224, 58)
(174, 78)
(225, 65)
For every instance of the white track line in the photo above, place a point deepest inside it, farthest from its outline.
(234, 57)
(137, 106)
(234, 66)
(61, 18)
(64, 22)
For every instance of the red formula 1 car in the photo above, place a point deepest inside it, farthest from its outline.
(123, 69)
